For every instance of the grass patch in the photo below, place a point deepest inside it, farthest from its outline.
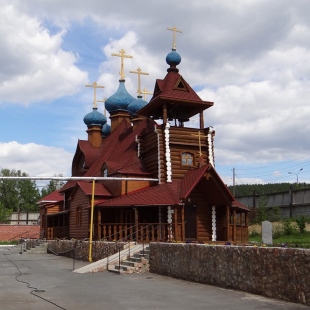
(8, 242)
(294, 239)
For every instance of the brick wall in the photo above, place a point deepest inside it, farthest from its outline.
(8, 232)
(281, 273)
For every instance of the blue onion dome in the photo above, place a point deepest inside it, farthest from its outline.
(95, 118)
(120, 100)
(173, 58)
(136, 105)
(106, 130)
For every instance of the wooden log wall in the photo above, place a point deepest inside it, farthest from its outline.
(79, 231)
(186, 140)
(149, 153)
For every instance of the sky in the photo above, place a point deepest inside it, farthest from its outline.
(250, 57)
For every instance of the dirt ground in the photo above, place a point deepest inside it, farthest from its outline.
(258, 228)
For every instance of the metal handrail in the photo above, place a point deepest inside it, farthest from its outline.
(124, 254)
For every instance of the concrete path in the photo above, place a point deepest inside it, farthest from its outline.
(46, 282)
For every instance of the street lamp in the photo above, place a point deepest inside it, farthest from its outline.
(296, 174)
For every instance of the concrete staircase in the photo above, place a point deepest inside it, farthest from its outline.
(137, 263)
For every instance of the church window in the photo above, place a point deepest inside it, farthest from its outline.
(187, 159)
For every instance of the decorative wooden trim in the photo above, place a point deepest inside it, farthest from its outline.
(211, 147)
(168, 154)
(158, 154)
(139, 145)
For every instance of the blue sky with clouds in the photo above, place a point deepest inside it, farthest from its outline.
(251, 57)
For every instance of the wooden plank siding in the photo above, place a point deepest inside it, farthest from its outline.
(79, 230)
(221, 223)
(130, 186)
(54, 209)
(203, 216)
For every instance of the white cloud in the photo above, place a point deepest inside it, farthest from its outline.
(36, 160)
(251, 58)
(34, 67)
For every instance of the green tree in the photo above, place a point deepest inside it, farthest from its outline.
(5, 214)
(261, 214)
(18, 195)
(52, 186)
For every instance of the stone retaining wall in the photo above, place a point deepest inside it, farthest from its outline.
(80, 249)
(281, 273)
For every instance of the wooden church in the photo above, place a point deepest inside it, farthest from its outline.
(157, 177)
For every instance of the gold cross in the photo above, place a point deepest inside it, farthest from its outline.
(139, 72)
(145, 92)
(174, 29)
(95, 86)
(199, 136)
(104, 100)
(122, 55)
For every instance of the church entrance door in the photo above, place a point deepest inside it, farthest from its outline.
(190, 222)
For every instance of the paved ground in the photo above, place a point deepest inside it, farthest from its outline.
(44, 281)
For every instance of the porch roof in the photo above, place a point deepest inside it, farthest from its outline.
(52, 198)
(162, 194)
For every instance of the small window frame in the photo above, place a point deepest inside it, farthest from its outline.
(189, 159)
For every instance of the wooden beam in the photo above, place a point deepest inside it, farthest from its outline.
(201, 121)
(183, 223)
(175, 215)
(136, 223)
(235, 226)
(228, 223)
(165, 113)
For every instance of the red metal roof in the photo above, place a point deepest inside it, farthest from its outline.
(162, 194)
(87, 188)
(52, 197)
(168, 90)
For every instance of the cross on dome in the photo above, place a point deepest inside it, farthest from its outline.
(95, 86)
(104, 100)
(145, 92)
(174, 29)
(139, 72)
(122, 55)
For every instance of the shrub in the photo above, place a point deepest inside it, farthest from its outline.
(301, 223)
(277, 231)
(254, 233)
(288, 227)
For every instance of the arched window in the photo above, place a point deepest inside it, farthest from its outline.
(187, 159)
